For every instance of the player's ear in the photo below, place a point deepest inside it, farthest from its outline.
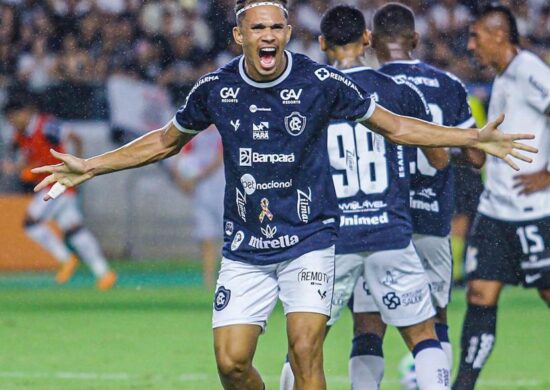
(415, 40)
(323, 43)
(237, 35)
(288, 33)
(366, 38)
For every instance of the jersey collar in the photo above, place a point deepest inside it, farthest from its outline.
(269, 84)
(406, 62)
(356, 69)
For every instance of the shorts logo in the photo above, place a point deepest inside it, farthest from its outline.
(295, 123)
(391, 300)
(315, 278)
(322, 74)
(412, 298)
(471, 259)
(237, 240)
(229, 228)
(323, 294)
(221, 298)
(389, 280)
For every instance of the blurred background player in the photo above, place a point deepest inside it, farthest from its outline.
(510, 241)
(375, 224)
(198, 172)
(394, 39)
(35, 134)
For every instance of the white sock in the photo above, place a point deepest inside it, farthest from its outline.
(442, 332)
(46, 238)
(448, 349)
(431, 366)
(366, 371)
(366, 362)
(287, 378)
(89, 251)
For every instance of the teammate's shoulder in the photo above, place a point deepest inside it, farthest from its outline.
(529, 63)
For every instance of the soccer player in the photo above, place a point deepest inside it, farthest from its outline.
(198, 172)
(35, 135)
(394, 39)
(372, 183)
(510, 241)
(280, 207)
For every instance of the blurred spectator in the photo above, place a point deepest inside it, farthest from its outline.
(172, 42)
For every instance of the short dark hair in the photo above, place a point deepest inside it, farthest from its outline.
(343, 24)
(18, 102)
(394, 20)
(506, 13)
(240, 4)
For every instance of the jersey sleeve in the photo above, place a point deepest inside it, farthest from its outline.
(350, 102)
(535, 82)
(194, 116)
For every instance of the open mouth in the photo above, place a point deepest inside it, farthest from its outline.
(267, 57)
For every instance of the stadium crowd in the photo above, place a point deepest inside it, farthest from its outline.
(173, 42)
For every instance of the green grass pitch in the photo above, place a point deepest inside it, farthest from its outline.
(153, 332)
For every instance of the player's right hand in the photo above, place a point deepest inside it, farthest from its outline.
(71, 172)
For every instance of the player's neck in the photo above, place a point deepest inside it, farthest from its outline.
(346, 57)
(506, 59)
(349, 62)
(393, 52)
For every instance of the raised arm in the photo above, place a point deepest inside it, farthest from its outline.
(411, 131)
(150, 148)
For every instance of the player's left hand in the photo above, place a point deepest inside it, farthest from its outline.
(504, 146)
(533, 182)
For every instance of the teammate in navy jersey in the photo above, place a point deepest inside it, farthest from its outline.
(432, 202)
(372, 183)
(272, 109)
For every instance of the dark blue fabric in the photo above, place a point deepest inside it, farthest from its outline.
(366, 344)
(425, 344)
(432, 199)
(442, 332)
(279, 198)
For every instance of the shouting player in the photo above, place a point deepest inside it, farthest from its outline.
(510, 241)
(272, 109)
(394, 39)
(35, 134)
(372, 183)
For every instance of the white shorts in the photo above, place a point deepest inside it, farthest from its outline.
(347, 270)
(437, 259)
(63, 210)
(246, 293)
(208, 208)
(396, 286)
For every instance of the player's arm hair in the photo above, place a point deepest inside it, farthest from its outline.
(147, 149)
(405, 130)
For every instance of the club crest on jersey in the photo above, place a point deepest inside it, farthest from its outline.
(295, 123)
(221, 298)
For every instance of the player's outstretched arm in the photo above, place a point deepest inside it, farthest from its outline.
(151, 147)
(410, 131)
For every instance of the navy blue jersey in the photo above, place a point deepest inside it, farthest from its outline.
(371, 174)
(432, 200)
(279, 198)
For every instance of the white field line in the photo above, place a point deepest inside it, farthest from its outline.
(201, 377)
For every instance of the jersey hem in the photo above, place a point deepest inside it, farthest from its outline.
(369, 113)
(535, 219)
(467, 124)
(366, 248)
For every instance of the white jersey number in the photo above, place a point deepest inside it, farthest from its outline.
(531, 241)
(359, 156)
(422, 162)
